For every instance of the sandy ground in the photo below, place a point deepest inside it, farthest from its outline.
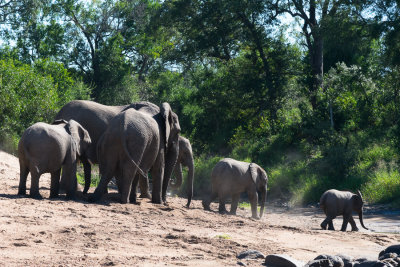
(76, 233)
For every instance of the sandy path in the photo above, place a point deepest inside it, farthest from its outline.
(76, 233)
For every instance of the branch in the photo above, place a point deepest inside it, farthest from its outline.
(84, 31)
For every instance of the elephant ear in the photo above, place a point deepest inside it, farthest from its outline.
(253, 172)
(166, 113)
(360, 197)
(76, 132)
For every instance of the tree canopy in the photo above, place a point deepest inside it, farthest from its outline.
(305, 88)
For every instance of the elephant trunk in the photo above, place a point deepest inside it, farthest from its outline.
(360, 215)
(263, 199)
(171, 156)
(190, 182)
(178, 175)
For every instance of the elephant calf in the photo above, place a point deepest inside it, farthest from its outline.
(334, 203)
(46, 148)
(230, 178)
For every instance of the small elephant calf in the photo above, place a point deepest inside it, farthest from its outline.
(230, 178)
(45, 148)
(334, 203)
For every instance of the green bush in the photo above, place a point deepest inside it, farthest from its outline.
(32, 94)
(203, 168)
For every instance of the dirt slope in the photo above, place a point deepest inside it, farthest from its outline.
(76, 233)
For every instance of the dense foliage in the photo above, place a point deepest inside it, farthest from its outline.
(307, 89)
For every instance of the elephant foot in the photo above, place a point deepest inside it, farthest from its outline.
(223, 212)
(232, 213)
(206, 206)
(70, 197)
(22, 192)
(156, 201)
(323, 226)
(37, 196)
(355, 229)
(145, 195)
(53, 195)
(255, 217)
(92, 198)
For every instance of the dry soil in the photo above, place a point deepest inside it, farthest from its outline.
(76, 233)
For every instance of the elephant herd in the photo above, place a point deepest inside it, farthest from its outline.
(131, 141)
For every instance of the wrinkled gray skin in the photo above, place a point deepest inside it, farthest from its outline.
(46, 148)
(335, 203)
(185, 158)
(230, 178)
(95, 118)
(130, 145)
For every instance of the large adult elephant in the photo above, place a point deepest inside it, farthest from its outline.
(95, 117)
(130, 145)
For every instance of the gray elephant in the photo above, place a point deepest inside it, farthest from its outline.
(46, 148)
(95, 118)
(230, 178)
(334, 203)
(131, 144)
(185, 158)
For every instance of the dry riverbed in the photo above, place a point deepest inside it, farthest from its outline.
(76, 233)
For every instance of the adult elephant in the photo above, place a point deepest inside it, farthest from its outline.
(95, 117)
(130, 145)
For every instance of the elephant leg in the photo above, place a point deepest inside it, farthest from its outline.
(206, 202)
(157, 173)
(221, 208)
(235, 202)
(128, 176)
(169, 163)
(144, 187)
(55, 183)
(253, 198)
(69, 174)
(132, 197)
(345, 222)
(101, 187)
(330, 227)
(34, 191)
(326, 222)
(23, 175)
(87, 169)
(353, 224)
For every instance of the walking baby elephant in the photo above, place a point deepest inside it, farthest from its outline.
(230, 178)
(335, 203)
(46, 148)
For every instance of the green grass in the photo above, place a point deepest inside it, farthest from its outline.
(223, 236)
(95, 177)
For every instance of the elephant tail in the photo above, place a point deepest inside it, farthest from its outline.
(124, 144)
(30, 159)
